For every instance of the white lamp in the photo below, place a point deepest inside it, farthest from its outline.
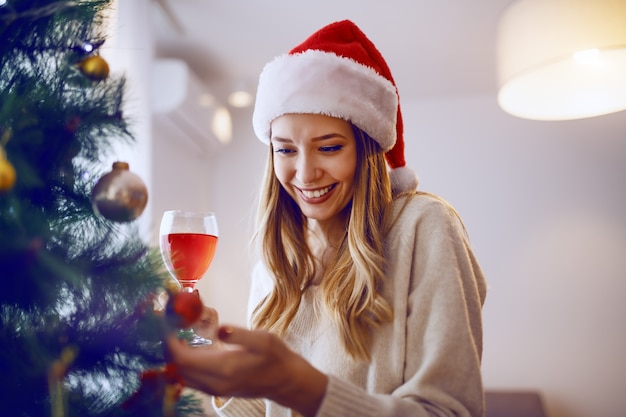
(562, 59)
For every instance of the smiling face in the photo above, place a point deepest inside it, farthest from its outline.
(315, 161)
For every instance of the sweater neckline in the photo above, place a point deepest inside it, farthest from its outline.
(311, 319)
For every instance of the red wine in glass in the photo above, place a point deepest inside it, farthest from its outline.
(190, 255)
(188, 240)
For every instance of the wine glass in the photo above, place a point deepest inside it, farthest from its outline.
(188, 240)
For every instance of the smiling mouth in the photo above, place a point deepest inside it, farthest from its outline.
(317, 193)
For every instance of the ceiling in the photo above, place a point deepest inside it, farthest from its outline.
(433, 47)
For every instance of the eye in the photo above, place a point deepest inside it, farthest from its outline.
(330, 149)
(283, 151)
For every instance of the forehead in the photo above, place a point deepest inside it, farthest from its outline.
(294, 123)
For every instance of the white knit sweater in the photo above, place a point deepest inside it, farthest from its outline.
(427, 361)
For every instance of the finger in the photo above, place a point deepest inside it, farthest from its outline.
(255, 341)
(186, 358)
(191, 364)
(208, 323)
(209, 315)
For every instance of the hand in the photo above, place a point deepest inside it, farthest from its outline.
(254, 364)
(208, 324)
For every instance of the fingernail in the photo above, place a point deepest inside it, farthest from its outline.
(224, 332)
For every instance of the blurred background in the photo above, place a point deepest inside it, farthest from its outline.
(544, 201)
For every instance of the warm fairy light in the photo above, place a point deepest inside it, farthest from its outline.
(240, 99)
(222, 125)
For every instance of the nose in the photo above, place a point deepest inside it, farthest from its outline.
(307, 169)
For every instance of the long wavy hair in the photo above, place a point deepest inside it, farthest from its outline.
(351, 283)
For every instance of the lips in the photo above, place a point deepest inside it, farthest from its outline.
(316, 195)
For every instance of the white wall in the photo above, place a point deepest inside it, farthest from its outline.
(545, 206)
(129, 50)
(181, 174)
(544, 203)
(224, 182)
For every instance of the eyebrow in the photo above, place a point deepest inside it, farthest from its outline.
(315, 139)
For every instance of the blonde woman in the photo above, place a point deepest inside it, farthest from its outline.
(367, 298)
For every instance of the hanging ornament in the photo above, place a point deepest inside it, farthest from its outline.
(7, 172)
(183, 309)
(94, 67)
(162, 386)
(120, 195)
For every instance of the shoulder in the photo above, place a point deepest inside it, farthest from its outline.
(425, 220)
(427, 230)
(419, 207)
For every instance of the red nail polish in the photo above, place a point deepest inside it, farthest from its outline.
(224, 332)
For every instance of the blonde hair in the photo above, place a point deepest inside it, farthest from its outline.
(352, 282)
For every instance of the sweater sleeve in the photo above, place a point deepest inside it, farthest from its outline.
(240, 407)
(442, 323)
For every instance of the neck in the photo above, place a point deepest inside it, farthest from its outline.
(325, 234)
(324, 241)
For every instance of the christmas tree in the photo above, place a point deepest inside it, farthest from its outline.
(79, 332)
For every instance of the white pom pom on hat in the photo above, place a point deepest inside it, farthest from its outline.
(338, 72)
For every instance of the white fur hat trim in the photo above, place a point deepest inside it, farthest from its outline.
(320, 82)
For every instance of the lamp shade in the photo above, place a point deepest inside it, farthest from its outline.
(562, 59)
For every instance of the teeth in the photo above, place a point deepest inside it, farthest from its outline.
(316, 193)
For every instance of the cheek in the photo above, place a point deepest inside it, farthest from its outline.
(349, 172)
(282, 170)
(346, 170)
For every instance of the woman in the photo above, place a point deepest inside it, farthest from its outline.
(367, 298)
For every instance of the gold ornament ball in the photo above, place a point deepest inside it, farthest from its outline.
(120, 195)
(7, 173)
(94, 67)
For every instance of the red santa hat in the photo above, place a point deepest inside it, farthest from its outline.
(337, 72)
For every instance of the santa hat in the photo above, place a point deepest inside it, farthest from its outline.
(337, 72)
